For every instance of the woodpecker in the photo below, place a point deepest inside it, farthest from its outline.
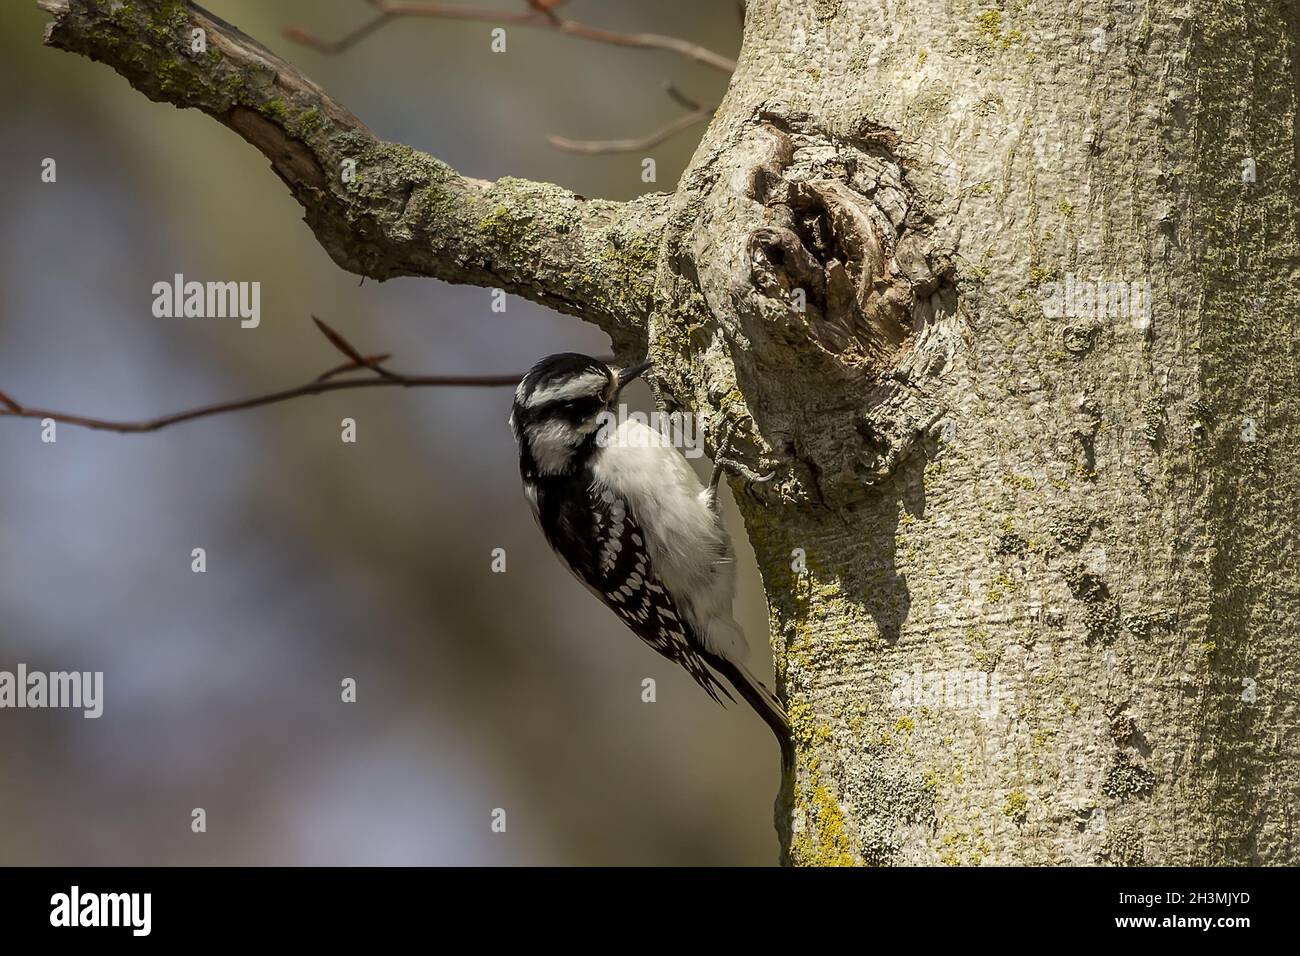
(626, 514)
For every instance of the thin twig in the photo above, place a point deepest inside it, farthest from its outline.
(546, 8)
(540, 14)
(681, 99)
(667, 131)
(351, 367)
(326, 382)
(344, 346)
(697, 114)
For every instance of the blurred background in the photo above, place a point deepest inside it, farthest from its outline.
(327, 560)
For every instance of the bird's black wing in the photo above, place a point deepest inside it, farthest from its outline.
(598, 536)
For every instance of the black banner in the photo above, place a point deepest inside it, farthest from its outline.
(368, 905)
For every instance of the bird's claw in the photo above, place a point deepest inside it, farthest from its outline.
(723, 462)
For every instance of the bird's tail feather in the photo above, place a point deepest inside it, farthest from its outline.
(764, 702)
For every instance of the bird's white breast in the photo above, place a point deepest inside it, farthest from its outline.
(688, 546)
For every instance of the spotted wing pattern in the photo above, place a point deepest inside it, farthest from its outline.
(614, 563)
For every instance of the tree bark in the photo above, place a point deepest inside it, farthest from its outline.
(1032, 579)
(381, 209)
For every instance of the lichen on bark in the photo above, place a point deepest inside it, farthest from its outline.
(382, 209)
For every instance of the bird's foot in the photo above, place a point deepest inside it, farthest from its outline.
(722, 461)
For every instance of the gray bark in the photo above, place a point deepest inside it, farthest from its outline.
(1094, 513)
(381, 209)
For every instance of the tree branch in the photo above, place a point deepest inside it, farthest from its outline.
(382, 209)
(695, 114)
(541, 15)
(326, 382)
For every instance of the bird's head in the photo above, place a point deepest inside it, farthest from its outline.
(559, 404)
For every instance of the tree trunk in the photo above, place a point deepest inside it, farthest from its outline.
(1030, 549)
(1049, 607)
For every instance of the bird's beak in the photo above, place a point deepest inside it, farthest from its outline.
(630, 373)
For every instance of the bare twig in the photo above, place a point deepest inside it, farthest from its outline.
(540, 14)
(351, 367)
(667, 131)
(697, 114)
(546, 8)
(326, 382)
(681, 99)
(344, 346)
(381, 209)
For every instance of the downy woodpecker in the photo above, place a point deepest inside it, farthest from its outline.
(627, 515)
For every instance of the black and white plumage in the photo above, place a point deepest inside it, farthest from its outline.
(630, 519)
